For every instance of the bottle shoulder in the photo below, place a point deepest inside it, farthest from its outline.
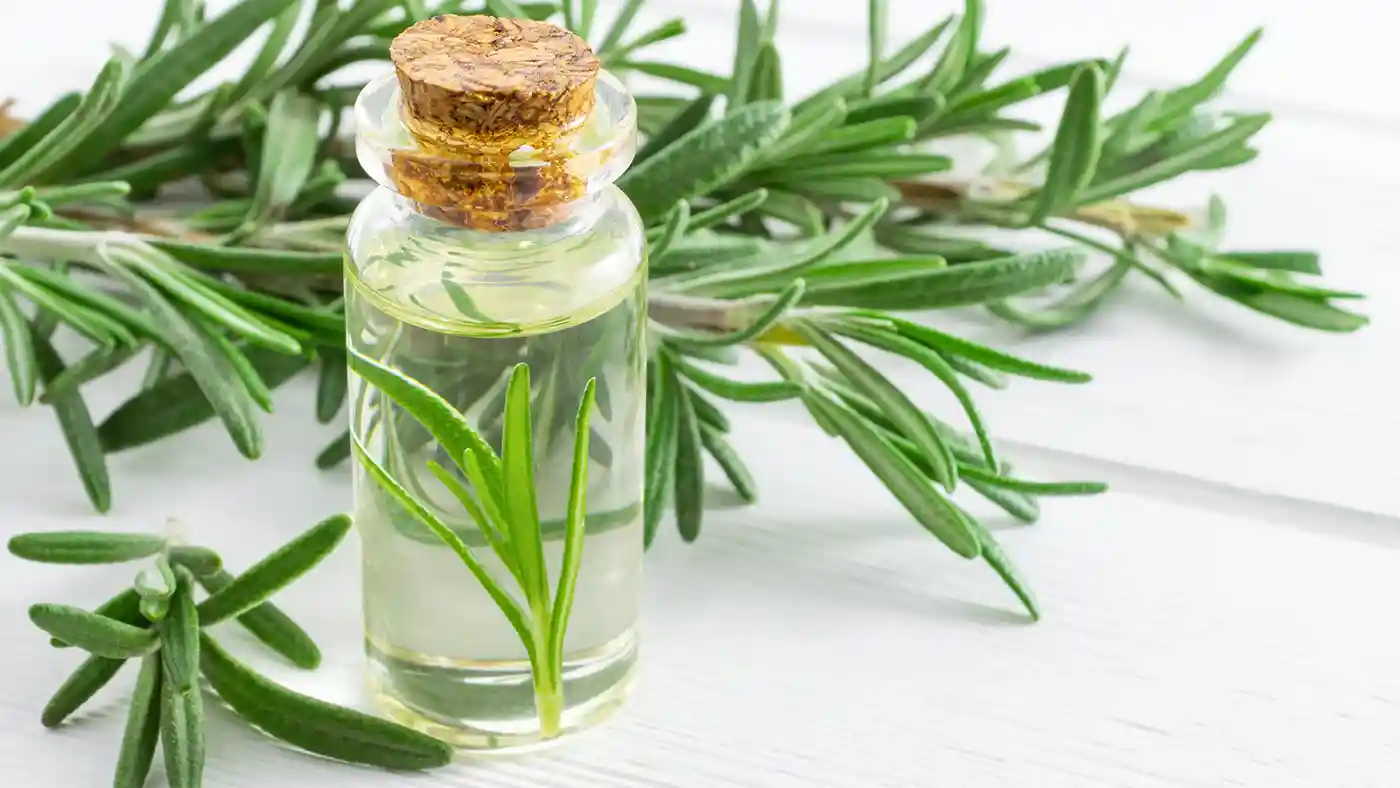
(432, 273)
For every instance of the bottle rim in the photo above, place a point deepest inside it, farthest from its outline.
(593, 154)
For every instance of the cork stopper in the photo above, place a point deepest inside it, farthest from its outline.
(493, 105)
(479, 81)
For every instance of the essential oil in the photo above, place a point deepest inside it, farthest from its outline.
(496, 237)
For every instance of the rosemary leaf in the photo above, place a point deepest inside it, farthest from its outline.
(91, 676)
(92, 633)
(934, 512)
(704, 159)
(142, 727)
(690, 470)
(314, 725)
(164, 75)
(277, 570)
(269, 624)
(84, 547)
(734, 469)
(1075, 151)
(662, 424)
(575, 517)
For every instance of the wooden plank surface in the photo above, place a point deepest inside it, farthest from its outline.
(1221, 618)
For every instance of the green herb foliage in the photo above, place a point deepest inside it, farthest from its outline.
(804, 232)
(504, 510)
(167, 705)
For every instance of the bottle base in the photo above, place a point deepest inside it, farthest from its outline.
(489, 707)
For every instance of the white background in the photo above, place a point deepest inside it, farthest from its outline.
(1223, 617)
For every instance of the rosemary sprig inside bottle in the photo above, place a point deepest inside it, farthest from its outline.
(158, 622)
(501, 503)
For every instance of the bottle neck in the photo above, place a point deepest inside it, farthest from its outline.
(567, 220)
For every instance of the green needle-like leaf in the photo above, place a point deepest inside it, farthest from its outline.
(996, 359)
(770, 316)
(201, 561)
(674, 228)
(90, 323)
(84, 547)
(726, 210)
(663, 416)
(738, 391)
(331, 386)
(704, 159)
(1035, 488)
(314, 725)
(807, 130)
(750, 39)
(276, 571)
(863, 136)
(960, 285)
(179, 635)
(142, 727)
(960, 51)
(178, 403)
(933, 362)
(74, 132)
(1244, 127)
(888, 397)
(1019, 505)
(289, 150)
(1086, 298)
(875, 34)
(619, 27)
(1001, 564)
(98, 362)
(19, 349)
(216, 379)
(182, 702)
(506, 8)
(734, 469)
(518, 619)
(1295, 262)
(124, 607)
(181, 733)
(521, 511)
(710, 85)
(270, 625)
(685, 121)
(1075, 152)
(890, 67)
(922, 500)
(575, 522)
(690, 469)
(163, 76)
(447, 426)
(91, 676)
(801, 259)
(92, 633)
(27, 136)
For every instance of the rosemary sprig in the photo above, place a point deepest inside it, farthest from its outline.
(504, 510)
(800, 232)
(167, 704)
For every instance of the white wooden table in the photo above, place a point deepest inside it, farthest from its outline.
(1223, 617)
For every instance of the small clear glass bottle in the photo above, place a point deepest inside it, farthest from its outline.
(496, 236)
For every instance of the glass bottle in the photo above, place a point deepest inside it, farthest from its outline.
(496, 236)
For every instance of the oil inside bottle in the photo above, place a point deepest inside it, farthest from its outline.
(456, 310)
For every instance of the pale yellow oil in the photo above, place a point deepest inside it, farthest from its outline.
(457, 317)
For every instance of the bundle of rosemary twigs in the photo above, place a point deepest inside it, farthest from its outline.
(157, 621)
(804, 233)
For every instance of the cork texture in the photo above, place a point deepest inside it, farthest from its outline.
(476, 89)
(479, 81)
